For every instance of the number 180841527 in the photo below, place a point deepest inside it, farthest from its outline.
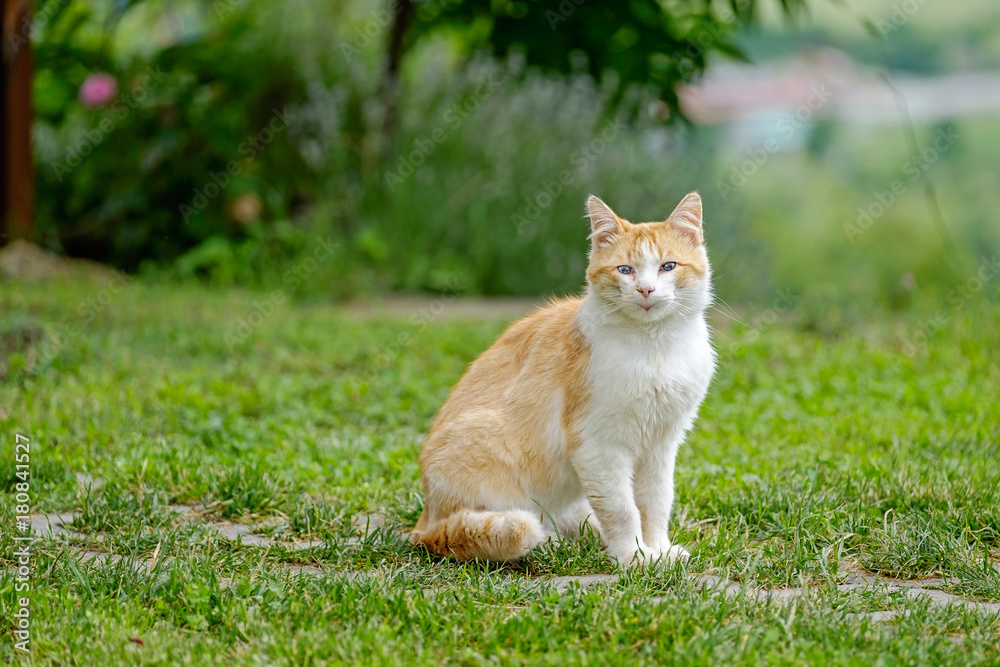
(22, 453)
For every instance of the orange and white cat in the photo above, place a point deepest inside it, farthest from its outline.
(576, 413)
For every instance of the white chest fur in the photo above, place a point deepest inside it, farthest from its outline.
(646, 384)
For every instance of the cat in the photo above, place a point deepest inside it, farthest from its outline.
(575, 414)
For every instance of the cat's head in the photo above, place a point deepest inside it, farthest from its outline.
(651, 271)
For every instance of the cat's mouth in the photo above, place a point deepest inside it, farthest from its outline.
(646, 307)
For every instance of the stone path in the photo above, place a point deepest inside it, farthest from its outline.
(428, 307)
(925, 588)
(57, 526)
(445, 307)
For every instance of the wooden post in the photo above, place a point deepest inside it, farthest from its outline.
(17, 194)
(403, 12)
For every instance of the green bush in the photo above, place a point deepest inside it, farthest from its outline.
(157, 170)
(482, 188)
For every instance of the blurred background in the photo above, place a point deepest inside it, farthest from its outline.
(846, 151)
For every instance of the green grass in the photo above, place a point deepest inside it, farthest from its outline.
(815, 453)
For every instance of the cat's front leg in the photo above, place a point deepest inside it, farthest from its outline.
(654, 496)
(606, 476)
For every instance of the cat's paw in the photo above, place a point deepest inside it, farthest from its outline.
(666, 558)
(650, 555)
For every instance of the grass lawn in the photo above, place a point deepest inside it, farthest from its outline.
(817, 455)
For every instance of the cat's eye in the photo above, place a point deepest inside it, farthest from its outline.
(625, 269)
(669, 266)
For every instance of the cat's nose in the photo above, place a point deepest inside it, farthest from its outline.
(646, 291)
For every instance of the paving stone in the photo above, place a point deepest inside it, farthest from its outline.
(851, 588)
(563, 584)
(302, 545)
(779, 595)
(718, 584)
(304, 570)
(364, 526)
(859, 580)
(239, 533)
(934, 582)
(943, 598)
(880, 616)
(54, 525)
(367, 523)
(103, 557)
(354, 577)
(244, 534)
(99, 557)
(85, 480)
(936, 597)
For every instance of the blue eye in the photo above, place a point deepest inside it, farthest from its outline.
(625, 269)
(669, 266)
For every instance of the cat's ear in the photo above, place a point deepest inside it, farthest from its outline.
(686, 218)
(604, 224)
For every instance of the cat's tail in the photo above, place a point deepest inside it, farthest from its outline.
(496, 536)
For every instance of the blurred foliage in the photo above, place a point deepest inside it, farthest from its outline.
(645, 42)
(113, 180)
(493, 158)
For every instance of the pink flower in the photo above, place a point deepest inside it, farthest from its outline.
(98, 89)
